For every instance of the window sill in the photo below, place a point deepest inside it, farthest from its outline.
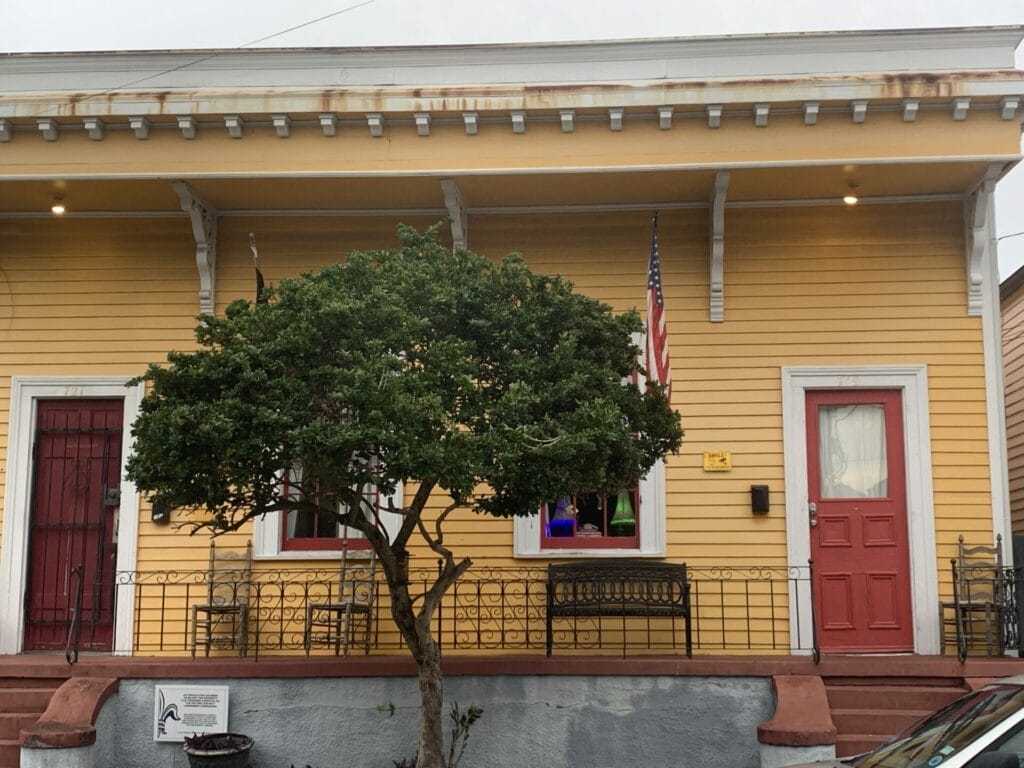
(313, 554)
(590, 554)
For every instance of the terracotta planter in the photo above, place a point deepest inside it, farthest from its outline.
(218, 750)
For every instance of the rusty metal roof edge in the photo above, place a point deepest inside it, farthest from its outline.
(878, 89)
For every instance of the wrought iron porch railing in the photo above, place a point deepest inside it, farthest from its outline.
(735, 609)
(987, 611)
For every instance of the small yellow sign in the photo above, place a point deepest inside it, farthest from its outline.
(717, 461)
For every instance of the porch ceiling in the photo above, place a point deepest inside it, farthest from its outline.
(482, 191)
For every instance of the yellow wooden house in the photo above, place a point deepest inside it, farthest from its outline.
(829, 272)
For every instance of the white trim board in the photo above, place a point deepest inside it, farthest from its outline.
(25, 392)
(1008, 160)
(912, 381)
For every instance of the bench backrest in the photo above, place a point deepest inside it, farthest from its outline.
(618, 586)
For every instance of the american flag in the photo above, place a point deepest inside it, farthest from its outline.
(656, 355)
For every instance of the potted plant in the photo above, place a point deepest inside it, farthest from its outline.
(218, 750)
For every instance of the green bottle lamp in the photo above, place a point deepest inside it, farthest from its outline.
(623, 523)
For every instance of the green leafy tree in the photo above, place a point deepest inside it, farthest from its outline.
(487, 385)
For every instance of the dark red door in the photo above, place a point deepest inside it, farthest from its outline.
(858, 518)
(72, 533)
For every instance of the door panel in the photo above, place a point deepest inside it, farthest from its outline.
(76, 478)
(858, 517)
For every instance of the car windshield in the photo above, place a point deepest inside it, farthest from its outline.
(948, 731)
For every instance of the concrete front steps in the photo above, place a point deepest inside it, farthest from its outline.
(868, 711)
(22, 701)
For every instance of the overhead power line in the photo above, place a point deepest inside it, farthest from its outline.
(201, 59)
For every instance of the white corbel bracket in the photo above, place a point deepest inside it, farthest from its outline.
(979, 237)
(204, 230)
(1008, 107)
(960, 106)
(94, 127)
(187, 126)
(567, 118)
(422, 123)
(140, 126)
(328, 123)
(48, 127)
(282, 125)
(811, 109)
(457, 210)
(859, 110)
(235, 126)
(714, 112)
(717, 243)
(6, 130)
(761, 114)
(664, 118)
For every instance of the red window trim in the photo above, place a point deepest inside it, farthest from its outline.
(317, 543)
(591, 542)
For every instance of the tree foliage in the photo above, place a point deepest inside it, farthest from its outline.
(501, 387)
(497, 386)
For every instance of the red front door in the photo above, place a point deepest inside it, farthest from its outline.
(858, 518)
(72, 534)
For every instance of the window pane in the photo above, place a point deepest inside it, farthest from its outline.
(307, 524)
(852, 453)
(593, 517)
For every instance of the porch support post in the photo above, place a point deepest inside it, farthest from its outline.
(717, 241)
(983, 251)
(204, 230)
(457, 210)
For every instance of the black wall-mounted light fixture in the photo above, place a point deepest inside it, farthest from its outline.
(759, 500)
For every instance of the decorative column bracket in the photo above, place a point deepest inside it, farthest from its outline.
(978, 236)
(204, 230)
(717, 241)
(457, 210)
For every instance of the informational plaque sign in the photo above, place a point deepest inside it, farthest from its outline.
(183, 710)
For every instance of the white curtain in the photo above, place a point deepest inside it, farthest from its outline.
(851, 449)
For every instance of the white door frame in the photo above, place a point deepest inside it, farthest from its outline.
(912, 381)
(25, 392)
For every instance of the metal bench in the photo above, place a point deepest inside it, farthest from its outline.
(598, 588)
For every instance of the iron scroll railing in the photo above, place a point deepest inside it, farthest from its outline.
(734, 609)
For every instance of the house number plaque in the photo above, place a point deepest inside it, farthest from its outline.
(717, 461)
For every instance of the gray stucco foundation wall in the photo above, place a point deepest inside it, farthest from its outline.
(549, 721)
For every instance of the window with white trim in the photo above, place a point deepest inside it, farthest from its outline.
(307, 534)
(585, 526)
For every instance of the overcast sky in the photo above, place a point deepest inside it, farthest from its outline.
(76, 25)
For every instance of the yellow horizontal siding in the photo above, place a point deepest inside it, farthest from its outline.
(834, 286)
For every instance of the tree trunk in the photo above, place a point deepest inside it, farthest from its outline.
(431, 745)
(427, 654)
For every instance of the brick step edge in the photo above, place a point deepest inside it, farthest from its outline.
(864, 711)
(894, 682)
